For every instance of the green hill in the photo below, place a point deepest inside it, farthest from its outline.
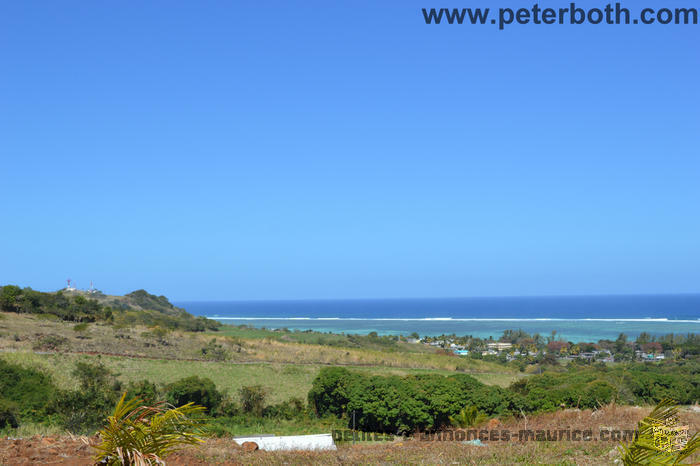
(137, 307)
(139, 300)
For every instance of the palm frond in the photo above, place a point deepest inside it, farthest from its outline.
(139, 435)
(656, 442)
(467, 417)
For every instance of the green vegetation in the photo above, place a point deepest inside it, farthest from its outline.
(254, 381)
(9, 415)
(136, 434)
(200, 391)
(253, 400)
(395, 404)
(23, 393)
(30, 395)
(593, 386)
(84, 409)
(468, 417)
(430, 402)
(387, 343)
(88, 389)
(144, 300)
(138, 307)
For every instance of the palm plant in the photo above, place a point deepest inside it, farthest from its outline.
(658, 438)
(468, 417)
(138, 435)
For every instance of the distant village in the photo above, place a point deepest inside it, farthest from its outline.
(519, 346)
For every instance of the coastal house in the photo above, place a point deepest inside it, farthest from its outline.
(644, 356)
(499, 346)
(461, 352)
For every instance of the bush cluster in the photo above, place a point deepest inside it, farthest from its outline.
(394, 404)
(24, 393)
(29, 395)
(592, 386)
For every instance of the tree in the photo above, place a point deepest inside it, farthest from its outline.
(9, 296)
(643, 338)
(83, 410)
(200, 391)
(557, 346)
(653, 347)
(329, 391)
(620, 343)
(549, 359)
(253, 399)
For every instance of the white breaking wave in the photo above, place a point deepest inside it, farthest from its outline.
(469, 319)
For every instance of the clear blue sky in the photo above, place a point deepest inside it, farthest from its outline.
(267, 150)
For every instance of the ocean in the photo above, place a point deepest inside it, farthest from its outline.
(574, 318)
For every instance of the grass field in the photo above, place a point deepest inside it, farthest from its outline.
(282, 381)
(384, 343)
(285, 362)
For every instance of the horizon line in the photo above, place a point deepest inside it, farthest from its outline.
(425, 298)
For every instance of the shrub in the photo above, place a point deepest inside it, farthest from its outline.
(81, 327)
(9, 415)
(83, 410)
(215, 351)
(50, 343)
(27, 389)
(228, 408)
(159, 333)
(290, 409)
(144, 390)
(589, 386)
(252, 399)
(329, 391)
(200, 391)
